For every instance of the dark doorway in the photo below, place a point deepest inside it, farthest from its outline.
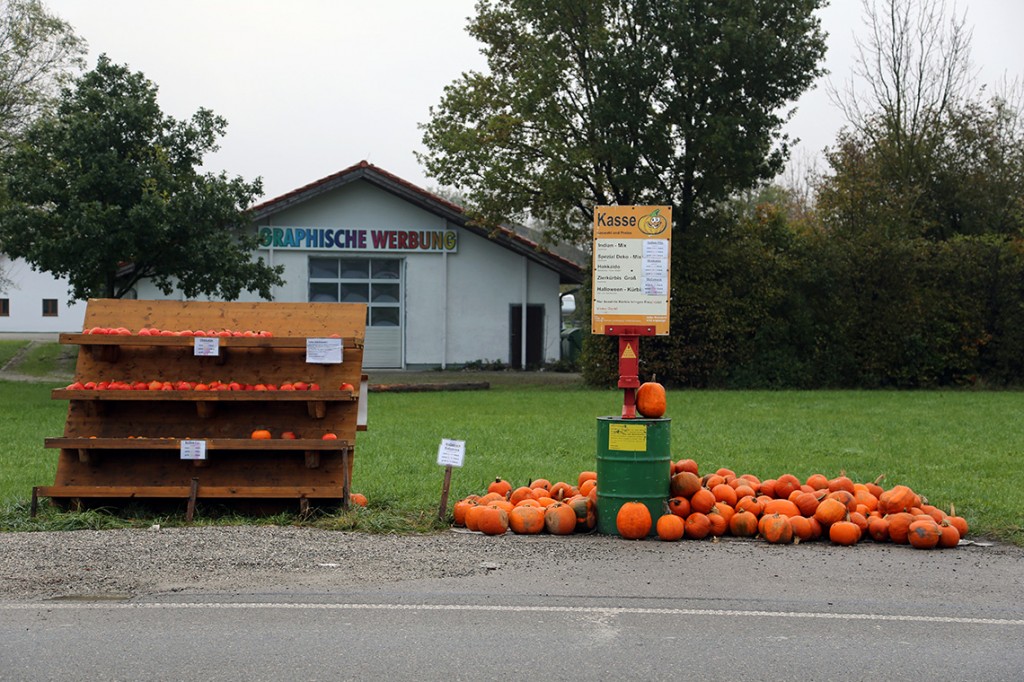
(534, 335)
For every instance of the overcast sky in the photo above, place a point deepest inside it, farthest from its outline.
(309, 87)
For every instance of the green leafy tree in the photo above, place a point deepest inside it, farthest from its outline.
(38, 50)
(621, 102)
(106, 192)
(922, 153)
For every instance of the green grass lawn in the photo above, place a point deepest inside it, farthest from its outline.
(952, 447)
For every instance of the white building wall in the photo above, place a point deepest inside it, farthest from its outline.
(25, 290)
(483, 279)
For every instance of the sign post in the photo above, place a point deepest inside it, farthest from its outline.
(631, 284)
(451, 453)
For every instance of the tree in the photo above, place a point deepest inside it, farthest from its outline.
(38, 50)
(105, 192)
(922, 153)
(621, 102)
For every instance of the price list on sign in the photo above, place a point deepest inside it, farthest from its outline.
(632, 267)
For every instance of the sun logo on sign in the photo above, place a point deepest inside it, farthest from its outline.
(653, 224)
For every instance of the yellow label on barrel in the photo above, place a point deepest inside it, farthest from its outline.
(631, 437)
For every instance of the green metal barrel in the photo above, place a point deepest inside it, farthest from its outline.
(634, 461)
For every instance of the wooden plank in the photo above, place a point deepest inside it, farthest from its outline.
(183, 491)
(283, 319)
(204, 396)
(109, 343)
(146, 444)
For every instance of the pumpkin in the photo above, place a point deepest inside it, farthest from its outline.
(776, 529)
(261, 434)
(785, 485)
(829, 511)
(807, 503)
(899, 527)
(899, 498)
(358, 499)
(684, 484)
(633, 520)
(522, 493)
(846, 497)
(670, 527)
(743, 524)
(802, 528)
(460, 509)
(817, 481)
(702, 501)
(724, 492)
(698, 526)
(841, 482)
(492, 520)
(950, 536)
(541, 484)
(844, 533)
(680, 506)
(584, 477)
(924, 533)
(526, 520)
(878, 528)
(650, 399)
(562, 491)
(560, 519)
(750, 504)
(686, 465)
(473, 517)
(500, 486)
(779, 506)
(719, 522)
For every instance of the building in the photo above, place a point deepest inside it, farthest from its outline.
(441, 291)
(35, 302)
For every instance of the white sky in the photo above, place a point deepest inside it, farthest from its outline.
(310, 87)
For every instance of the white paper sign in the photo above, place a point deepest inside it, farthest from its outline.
(451, 452)
(193, 449)
(207, 346)
(323, 351)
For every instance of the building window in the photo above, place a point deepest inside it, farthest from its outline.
(5, 307)
(49, 307)
(374, 281)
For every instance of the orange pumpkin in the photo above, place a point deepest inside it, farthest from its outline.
(560, 519)
(633, 520)
(584, 477)
(924, 533)
(670, 527)
(684, 484)
(802, 528)
(899, 527)
(776, 529)
(261, 434)
(650, 399)
(878, 528)
(680, 506)
(829, 511)
(743, 524)
(460, 509)
(492, 520)
(358, 499)
(526, 520)
(702, 501)
(500, 486)
(950, 536)
(697, 526)
(844, 533)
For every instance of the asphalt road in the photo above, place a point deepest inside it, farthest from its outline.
(621, 610)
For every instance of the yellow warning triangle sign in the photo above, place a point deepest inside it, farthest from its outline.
(628, 353)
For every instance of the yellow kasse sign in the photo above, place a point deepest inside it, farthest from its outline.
(632, 267)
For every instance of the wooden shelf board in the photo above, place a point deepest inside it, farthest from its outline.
(348, 343)
(183, 491)
(278, 444)
(322, 395)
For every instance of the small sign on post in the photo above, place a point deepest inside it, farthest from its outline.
(450, 453)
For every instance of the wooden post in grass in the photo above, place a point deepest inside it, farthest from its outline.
(451, 453)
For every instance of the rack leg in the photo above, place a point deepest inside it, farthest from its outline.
(34, 508)
(190, 510)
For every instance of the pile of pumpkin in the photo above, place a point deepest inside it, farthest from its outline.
(780, 510)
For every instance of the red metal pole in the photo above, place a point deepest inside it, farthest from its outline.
(629, 373)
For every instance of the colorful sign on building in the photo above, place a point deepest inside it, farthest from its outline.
(359, 239)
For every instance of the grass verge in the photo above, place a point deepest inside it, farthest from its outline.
(952, 447)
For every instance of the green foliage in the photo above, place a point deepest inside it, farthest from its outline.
(109, 181)
(37, 52)
(621, 102)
